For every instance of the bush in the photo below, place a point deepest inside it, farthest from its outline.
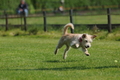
(33, 31)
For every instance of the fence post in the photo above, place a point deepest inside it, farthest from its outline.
(6, 20)
(45, 22)
(71, 18)
(25, 22)
(109, 20)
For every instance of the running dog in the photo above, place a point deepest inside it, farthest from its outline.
(74, 40)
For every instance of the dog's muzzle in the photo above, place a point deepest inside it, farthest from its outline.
(87, 46)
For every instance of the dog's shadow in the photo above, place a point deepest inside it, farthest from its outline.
(64, 68)
(78, 68)
(67, 68)
(60, 61)
(75, 67)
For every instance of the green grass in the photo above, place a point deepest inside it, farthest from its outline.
(30, 58)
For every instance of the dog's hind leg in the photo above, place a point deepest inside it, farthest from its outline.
(56, 50)
(65, 52)
(58, 47)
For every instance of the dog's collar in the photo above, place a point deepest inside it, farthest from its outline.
(80, 39)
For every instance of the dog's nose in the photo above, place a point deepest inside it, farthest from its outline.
(87, 46)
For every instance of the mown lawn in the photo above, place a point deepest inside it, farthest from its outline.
(28, 58)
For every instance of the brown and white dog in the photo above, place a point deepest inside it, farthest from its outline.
(74, 40)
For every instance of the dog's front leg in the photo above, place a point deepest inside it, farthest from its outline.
(85, 51)
(65, 52)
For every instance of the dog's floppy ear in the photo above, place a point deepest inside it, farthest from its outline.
(84, 36)
(93, 36)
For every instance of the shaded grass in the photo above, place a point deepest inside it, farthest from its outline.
(28, 58)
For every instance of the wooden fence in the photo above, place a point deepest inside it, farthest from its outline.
(109, 25)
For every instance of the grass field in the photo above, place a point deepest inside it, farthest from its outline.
(30, 58)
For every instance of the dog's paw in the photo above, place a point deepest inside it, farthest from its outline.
(87, 54)
(64, 56)
(77, 45)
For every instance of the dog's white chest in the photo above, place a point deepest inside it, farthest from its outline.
(75, 44)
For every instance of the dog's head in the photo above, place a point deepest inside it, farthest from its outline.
(87, 40)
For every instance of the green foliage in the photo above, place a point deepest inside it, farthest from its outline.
(33, 31)
(30, 5)
(56, 32)
(115, 35)
(8, 4)
(11, 5)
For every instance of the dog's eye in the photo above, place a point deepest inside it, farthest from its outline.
(86, 41)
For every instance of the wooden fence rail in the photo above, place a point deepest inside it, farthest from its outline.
(109, 25)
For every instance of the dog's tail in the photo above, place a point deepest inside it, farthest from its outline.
(66, 27)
